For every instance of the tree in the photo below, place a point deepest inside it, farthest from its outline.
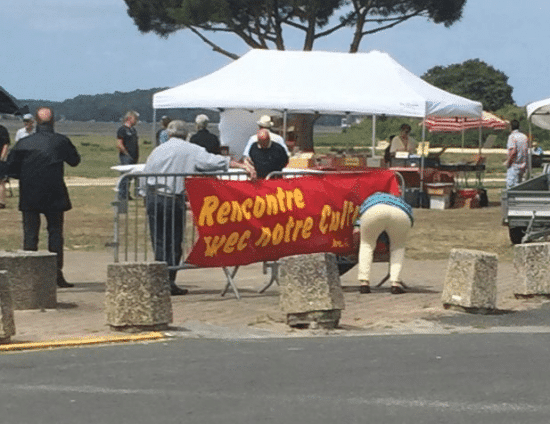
(475, 80)
(261, 23)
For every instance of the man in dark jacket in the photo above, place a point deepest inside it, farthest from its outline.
(37, 161)
(205, 138)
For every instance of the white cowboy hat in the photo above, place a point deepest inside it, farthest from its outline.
(201, 119)
(265, 121)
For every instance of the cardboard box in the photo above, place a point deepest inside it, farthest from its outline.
(440, 195)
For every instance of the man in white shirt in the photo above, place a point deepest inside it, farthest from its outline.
(265, 122)
(27, 130)
(516, 160)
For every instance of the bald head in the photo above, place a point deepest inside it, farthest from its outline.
(263, 137)
(44, 115)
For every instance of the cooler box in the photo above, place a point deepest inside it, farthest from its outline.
(440, 195)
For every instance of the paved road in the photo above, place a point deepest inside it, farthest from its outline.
(491, 378)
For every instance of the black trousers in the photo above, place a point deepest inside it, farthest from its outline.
(31, 228)
(166, 215)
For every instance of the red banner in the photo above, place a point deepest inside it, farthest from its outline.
(242, 222)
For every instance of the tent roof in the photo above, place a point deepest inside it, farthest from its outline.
(7, 105)
(325, 82)
(539, 113)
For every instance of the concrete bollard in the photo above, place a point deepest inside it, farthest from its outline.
(532, 264)
(471, 280)
(137, 296)
(7, 323)
(33, 278)
(310, 290)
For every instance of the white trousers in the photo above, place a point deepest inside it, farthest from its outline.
(397, 224)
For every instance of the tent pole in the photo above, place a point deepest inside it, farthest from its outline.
(284, 124)
(154, 137)
(529, 157)
(480, 135)
(422, 155)
(373, 136)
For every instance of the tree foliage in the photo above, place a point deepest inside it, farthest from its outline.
(475, 80)
(261, 23)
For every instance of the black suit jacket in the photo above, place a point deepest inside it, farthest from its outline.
(37, 161)
(207, 140)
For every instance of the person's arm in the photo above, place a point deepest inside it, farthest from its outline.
(249, 144)
(511, 155)
(246, 165)
(14, 162)
(120, 146)
(4, 152)
(73, 157)
(284, 159)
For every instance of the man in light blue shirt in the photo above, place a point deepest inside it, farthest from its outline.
(165, 194)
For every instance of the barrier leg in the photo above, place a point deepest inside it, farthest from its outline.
(274, 266)
(229, 275)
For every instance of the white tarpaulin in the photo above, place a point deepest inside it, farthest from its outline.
(539, 113)
(237, 125)
(325, 82)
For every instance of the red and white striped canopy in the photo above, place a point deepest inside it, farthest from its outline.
(437, 124)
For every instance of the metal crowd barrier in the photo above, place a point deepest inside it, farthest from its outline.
(147, 205)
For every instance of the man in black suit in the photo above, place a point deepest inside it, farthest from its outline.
(38, 162)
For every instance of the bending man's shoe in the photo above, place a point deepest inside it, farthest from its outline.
(397, 290)
(177, 291)
(364, 288)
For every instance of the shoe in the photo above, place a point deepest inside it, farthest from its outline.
(397, 290)
(2, 206)
(63, 284)
(364, 289)
(177, 291)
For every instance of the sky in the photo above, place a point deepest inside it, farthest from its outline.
(59, 49)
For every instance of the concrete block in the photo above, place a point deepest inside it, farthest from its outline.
(137, 296)
(7, 323)
(471, 280)
(532, 264)
(33, 278)
(310, 283)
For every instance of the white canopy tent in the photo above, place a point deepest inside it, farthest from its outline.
(324, 82)
(538, 113)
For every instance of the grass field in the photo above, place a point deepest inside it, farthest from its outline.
(89, 226)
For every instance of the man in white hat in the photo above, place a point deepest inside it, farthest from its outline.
(28, 129)
(265, 122)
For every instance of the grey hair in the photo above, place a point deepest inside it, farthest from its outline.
(130, 113)
(177, 129)
(201, 121)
